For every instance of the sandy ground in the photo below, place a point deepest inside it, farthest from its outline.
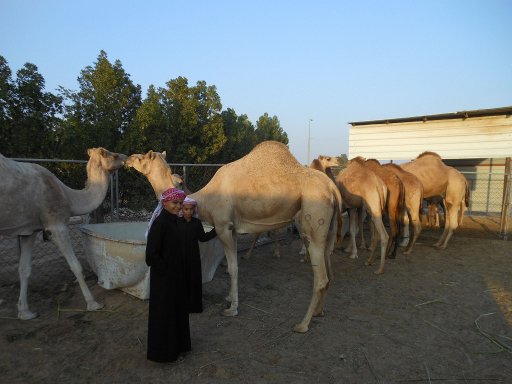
(435, 316)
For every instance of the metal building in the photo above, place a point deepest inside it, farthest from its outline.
(477, 142)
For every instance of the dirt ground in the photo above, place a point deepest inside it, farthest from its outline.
(435, 316)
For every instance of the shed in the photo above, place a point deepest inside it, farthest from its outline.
(477, 142)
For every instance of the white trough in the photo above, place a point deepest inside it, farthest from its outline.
(116, 253)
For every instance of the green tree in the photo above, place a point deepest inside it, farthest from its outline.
(6, 104)
(29, 115)
(100, 113)
(194, 128)
(240, 136)
(269, 128)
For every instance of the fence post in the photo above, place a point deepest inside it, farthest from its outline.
(506, 200)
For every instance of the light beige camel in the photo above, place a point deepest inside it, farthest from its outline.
(262, 191)
(413, 201)
(361, 189)
(160, 178)
(323, 164)
(34, 200)
(395, 203)
(438, 179)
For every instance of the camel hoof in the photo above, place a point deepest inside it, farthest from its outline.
(277, 256)
(27, 315)
(228, 299)
(319, 314)
(94, 306)
(353, 256)
(406, 252)
(300, 328)
(229, 312)
(379, 271)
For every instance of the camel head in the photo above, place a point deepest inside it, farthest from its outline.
(109, 161)
(373, 161)
(328, 161)
(147, 162)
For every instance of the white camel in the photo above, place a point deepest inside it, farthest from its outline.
(262, 191)
(34, 200)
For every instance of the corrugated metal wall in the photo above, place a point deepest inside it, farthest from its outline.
(474, 137)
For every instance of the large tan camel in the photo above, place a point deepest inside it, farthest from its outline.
(262, 191)
(323, 164)
(361, 189)
(34, 200)
(395, 203)
(438, 179)
(413, 201)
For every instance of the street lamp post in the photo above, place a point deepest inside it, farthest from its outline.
(309, 138)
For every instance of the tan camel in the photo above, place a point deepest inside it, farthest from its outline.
(361, 189)
(262, 191)
(323, 164)
(395, 202)
(438, 179)
(160, 178)
(413, 201)
(34, 200)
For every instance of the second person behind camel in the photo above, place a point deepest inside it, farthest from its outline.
(192, 231)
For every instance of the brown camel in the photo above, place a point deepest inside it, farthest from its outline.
(361, 189)
(413, 200)
(262, 191)
(395, 202)
(34, 200)
(438, 179)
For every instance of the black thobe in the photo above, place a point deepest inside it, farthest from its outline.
(168, 323)
(191, 232)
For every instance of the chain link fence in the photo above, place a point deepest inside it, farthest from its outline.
(131, 198)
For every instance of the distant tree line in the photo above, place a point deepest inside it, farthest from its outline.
(108, 110)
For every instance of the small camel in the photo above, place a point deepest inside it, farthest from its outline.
(262, 191)
(395, 202)
(361, 189)
(413, 200)
(34, 200)
(439, 179)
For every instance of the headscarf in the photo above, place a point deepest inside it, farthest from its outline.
(167, 195)
(189, 201)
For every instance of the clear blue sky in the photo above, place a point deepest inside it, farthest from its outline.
(330, 61)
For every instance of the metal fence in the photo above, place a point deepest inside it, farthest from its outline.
(131, 198)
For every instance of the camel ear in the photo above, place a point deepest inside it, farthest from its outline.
(149, 154)
(164, 154)
(89, 151)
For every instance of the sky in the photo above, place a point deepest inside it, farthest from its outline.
(316, 65)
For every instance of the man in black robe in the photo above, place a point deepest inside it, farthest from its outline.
(168, 322)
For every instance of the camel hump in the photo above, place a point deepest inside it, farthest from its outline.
(272, 153)
(428, 153)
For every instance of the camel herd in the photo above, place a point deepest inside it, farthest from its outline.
(263, 191)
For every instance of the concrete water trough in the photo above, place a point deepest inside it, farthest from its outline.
(116, 254)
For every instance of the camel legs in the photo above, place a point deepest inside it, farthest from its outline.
(451, 221)
(60, 236)
(416, 227)
(320, 284)
(378, 226)
(352, 248)
(229, 241)
(26, 244)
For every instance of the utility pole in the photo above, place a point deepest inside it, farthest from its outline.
(309, 139)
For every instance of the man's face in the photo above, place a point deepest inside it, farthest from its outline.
(188, 211)
(173, 206)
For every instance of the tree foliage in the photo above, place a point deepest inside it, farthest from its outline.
(29, 116)
(186, 121)
(101, 111)
(269, 128)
